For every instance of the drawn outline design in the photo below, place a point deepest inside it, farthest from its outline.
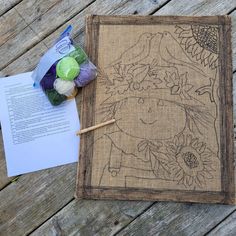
(183, 153)
(201, 42)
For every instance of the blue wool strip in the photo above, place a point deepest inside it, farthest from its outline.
(61, 48)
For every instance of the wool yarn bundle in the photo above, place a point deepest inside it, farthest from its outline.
(62, 69)
(88, 71)
(64, 76)
(64, 87)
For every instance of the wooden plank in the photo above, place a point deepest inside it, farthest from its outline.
(224, 211)
(4, 180)
(31, 10)
(15, 45)
(233, 15)
(177, 219)
(39, 28)
(64, 184)
(7, 5)
(104, 7)
(19, 17)
(92, 218)
(32, 199)
(11, 24)
(227, 227)
(234, 100)
(198, 7)
(28, 60)
(162, 218)
(58, 15)
(184, 7)
(31, 57)
(91, 154)
(24, 191)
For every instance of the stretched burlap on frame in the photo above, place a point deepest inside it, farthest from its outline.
(167, 81)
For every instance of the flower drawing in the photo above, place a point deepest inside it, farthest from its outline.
(201, 41)
(190, 161)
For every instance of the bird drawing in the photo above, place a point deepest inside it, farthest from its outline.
(137, 52)
(172, 53)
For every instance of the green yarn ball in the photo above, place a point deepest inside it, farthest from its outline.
(67, 68)
(79, 55)
(54, 97)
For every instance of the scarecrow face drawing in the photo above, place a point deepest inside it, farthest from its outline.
(150, 116)
(161, 123)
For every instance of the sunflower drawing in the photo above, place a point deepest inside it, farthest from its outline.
(190, 161)
(201, 41)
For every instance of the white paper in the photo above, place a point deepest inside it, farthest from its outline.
(36, 135)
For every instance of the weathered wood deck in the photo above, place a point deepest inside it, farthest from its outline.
(43, 203)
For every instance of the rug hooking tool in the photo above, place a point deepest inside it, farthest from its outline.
(82, 131)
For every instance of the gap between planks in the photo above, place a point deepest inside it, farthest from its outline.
(156, 10)
(137, 216)
(81, 32)
(116, 8)
(146, 209)
(11, 5)
(209, 231)
(40, 40)
(72, 199)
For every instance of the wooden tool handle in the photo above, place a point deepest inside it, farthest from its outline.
(82, 131)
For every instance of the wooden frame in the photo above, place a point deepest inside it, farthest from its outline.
(84, 188)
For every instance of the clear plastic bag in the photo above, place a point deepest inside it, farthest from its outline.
(62, 69)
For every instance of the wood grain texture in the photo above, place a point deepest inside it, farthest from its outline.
(201, 8)
(233, 18)
(177, 219)
(35, 197)
(4, 180)
(227, 227)
(31, 10)
(198, 7)
(121, 7)
(11, 24)
(19, 17)
(86, 189)
(27, 62)
(105, 7)
(85, 216)
(6, 5)
(234, 100)
(227, 108)
(226, 72)
(39, 27)
(78, 22)
(29, 59)
(92, 218)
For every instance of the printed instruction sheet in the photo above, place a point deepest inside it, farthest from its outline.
(36, 135)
